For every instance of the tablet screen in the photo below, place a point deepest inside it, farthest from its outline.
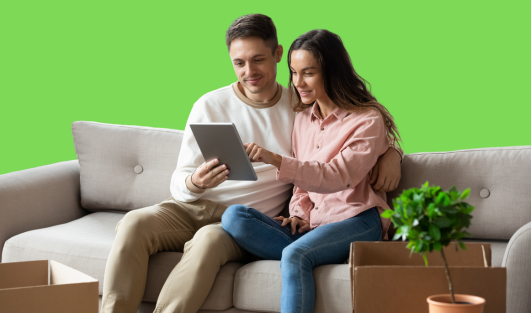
(221, 141)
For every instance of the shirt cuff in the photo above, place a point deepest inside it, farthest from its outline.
(288, 169)
(191, 185)
(298, 212)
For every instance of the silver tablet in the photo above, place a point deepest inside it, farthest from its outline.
(221, 141)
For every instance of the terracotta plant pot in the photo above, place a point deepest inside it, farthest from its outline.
(443, 304)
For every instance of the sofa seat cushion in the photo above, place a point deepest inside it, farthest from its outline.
(84, 245)
(258, 285)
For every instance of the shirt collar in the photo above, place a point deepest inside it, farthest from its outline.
(339, 113)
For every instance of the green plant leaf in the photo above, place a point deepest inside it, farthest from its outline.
(437, 246)
(425, 259)
(396, 236)
(388, 213)
(413, 234)
(435, 232)
(418, 246)
(454, 195)
(465, 193)
(466, 208)
(439, 198)
(442, 222)
(431, 210)
(462, 245)
(396, 221)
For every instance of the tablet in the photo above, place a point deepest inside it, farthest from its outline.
(221, 141)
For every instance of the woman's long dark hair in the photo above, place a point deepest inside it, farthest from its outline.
(342, 84)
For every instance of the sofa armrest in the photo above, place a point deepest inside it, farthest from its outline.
(517, 260)
(39, 197)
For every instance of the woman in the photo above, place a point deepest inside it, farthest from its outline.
(339, 134)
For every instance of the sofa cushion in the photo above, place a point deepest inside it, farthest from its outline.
(85, 243)
(258, 286)
(498, 179)
(124, 167)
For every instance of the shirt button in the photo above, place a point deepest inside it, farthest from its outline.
(316, 208)
(317, 147)
(348, 185)
(322, 128)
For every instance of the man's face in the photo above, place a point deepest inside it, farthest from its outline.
(254, 63)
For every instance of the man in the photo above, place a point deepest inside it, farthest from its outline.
(189, 221)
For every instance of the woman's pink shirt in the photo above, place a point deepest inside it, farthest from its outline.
(331, 163)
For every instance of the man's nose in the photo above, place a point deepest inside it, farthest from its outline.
(249, 69)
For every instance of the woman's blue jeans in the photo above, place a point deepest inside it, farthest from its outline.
(300, 253)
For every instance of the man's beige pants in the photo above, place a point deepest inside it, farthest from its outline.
(193, 228)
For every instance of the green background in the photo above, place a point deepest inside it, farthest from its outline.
(454, 74)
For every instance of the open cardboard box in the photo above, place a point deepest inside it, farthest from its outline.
(386, 279)
(46, 287)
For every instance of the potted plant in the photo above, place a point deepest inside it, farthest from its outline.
(430, 219)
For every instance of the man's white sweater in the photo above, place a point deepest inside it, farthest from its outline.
(268, 125)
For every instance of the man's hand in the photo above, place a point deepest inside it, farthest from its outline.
(386, 173)
(259, 154)
(209, 175)
(303, 225)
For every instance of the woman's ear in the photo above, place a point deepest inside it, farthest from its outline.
(278, 53)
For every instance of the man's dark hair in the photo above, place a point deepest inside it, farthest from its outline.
(253, 25)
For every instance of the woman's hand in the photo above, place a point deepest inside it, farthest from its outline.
(259, 154)
(304, 226)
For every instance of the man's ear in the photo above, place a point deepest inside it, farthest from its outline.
(278, 53)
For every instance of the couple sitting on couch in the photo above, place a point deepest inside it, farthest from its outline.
(340, 143)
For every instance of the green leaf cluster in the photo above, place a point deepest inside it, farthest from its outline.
(430, 218)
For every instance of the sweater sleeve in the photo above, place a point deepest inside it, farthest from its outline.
(190, 157)
(356, 158)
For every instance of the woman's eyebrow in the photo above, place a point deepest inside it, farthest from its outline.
(308, 68)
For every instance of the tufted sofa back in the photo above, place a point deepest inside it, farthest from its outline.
(499, 180)
(124, 167)
(129, 167)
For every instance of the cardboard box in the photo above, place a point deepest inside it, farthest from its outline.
(385, 279)
(46, 287)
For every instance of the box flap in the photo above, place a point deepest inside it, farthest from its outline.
(61, 274)
(23, 274)
(69, 298)
(364, 253)
(26, 289)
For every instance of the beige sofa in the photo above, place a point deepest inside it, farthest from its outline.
(68, 211)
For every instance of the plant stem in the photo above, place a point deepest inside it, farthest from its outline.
(448, 276)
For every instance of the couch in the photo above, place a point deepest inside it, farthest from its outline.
(68, 211)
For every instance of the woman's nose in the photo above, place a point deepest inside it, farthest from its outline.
(299, 82)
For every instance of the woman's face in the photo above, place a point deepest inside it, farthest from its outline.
(307, 76)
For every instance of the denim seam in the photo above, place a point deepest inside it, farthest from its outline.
(338, 242)
(268, 226)
(303, 255)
